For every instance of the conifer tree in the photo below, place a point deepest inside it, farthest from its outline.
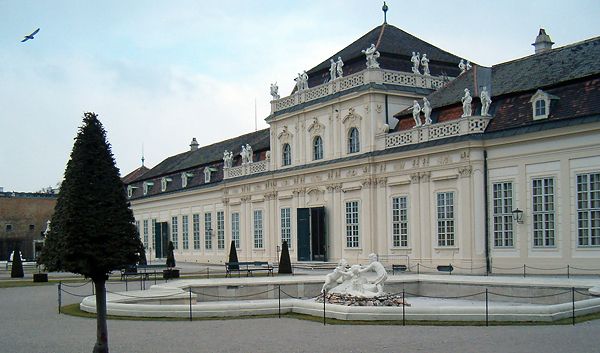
(285, 264)
(16, 270)
(233, 256)
(93, 231)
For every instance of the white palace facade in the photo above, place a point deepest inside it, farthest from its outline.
(496, 168)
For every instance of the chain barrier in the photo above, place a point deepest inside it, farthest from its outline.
(546, 269)
(585, 269)
(76, 286)
(530, 297)
(439, 297)
(236, 296)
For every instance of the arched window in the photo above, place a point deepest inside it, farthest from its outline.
(317, 148)
(353, 141)
(287, 154)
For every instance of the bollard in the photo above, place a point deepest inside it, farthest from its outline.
(417, 268)
(279, 299)
(487, 321)
(573, 307)
(568, 272)
(324, 298)
(524, 270)
(190, 289)
(59, 295)
(126, 283)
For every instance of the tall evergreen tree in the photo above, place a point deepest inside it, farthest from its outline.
(233, 256)
(93, 231)
(16, 271)
(285, 264)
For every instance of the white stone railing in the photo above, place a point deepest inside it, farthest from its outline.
(246, 169)
(366, 76)
(459, 127)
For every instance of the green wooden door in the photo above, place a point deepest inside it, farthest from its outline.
(303, 222)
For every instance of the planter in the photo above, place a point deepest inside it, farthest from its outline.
(169, 274)
(40, 277)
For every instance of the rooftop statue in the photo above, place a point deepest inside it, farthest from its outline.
(462, 66)
(427, 111)
(468, 65)
(416, 113)
(332, 70)
(246, 154)
(275, 91)
(485, 101)
(466, 102)
(415, 60)
(372, 55)
(227, 159)
(339, 67)
(301, 81)
(425, 64)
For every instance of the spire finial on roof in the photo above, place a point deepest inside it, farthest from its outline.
(384, 8)
(143, 159)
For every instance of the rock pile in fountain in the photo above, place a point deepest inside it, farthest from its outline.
(351, 300)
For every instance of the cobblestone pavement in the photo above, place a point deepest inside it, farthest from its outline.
(31, 324)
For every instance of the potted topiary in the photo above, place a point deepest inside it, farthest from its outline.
(17, 265)
(171, 271)
(285, 264)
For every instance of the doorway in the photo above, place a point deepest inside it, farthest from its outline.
(161, 239)
(312, 240)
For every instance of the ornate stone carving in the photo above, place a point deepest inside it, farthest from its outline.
(485, 99)
(379, 108)
(414, 178)
(425, 176)
(316, 128)
(270, 195)
(443, 160)
(465, 171)
(466, 102)
(274, 91)
(465, 156)
(382, 181)
(285, 134)
(245, 198)
(352, 118)
(351, 173)
(372, 55)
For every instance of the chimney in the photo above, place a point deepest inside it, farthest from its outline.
(543, 42)
(194, 145)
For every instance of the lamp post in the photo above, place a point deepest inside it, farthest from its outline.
(518, 215)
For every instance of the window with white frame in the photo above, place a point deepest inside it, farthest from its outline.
(353, 141)
(220, 230)
(445, 219)
(208, 230)
(235, 229)
(352, 225)
(137, 227)
(588, 209)
(540, 107)
(175, 231)
(286, 226)
(185, 232)
(164, 183)
(145, 223)
(286, 158)
(152, 232)
(317, 148)
(147, 186)
(400, 221)
(543, 212)
(258, 229)
(184, 179)
(196, 230)
(502, 194)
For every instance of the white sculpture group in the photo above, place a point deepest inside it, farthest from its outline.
(417, 112)
(274, 91)
(246, 154)
(336, 69)
(464, 67)
(227, 159)
(417, 60)
(302, 81)
(350, 281)
(372, 55)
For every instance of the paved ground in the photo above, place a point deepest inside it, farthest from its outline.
(31, 324)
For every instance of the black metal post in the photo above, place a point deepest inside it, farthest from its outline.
(59, 296)
(417, 268)
(208, 272)
(190, 289)
(324, 299)
(403, 309)
(279, 299)
(524, 270)
(125, 283)
(487, 321)
(573, 301)
(93, 288)
(568, 271)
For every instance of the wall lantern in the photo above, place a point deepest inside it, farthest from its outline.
(518, 215)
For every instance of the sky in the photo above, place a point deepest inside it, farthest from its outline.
(159, 73)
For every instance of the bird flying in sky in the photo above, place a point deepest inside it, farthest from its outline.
(28, 37)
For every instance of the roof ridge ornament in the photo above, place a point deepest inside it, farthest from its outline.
(384, 9)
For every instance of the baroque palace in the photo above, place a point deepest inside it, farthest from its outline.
(395, 147)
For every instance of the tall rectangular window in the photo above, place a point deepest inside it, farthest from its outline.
(153, 232)
(208, 230)
(235, 229)
(286, 226)
(543, 212)
(399, 221)
(196, 230)
(503, 218)
(588, 209)
(175, 231)
(258, 229)
(352, 225)
(220, 230)
(445, 219)
(145, 233)
(185, 237)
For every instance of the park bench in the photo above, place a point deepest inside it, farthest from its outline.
(142, 271)
(399, 268)
(249, 267)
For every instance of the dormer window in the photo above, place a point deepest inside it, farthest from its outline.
(207, 173)
(148, 186)
(185, 176)
(130, 190)
(540, 104)
(164, 183)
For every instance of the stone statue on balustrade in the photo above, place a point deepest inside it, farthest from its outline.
(415, 60)
(416, 111)
(462, 66)
(246, 154)
(354, 282)
(302, 81)
(425, 64)
(332, 69)
(466, 103)
(426, 111)
(468, 65)
(227, 159)
(339, 67)
(274, 91)
(372, 55)
(485, 99)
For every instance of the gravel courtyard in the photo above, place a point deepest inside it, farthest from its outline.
(30, 324)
